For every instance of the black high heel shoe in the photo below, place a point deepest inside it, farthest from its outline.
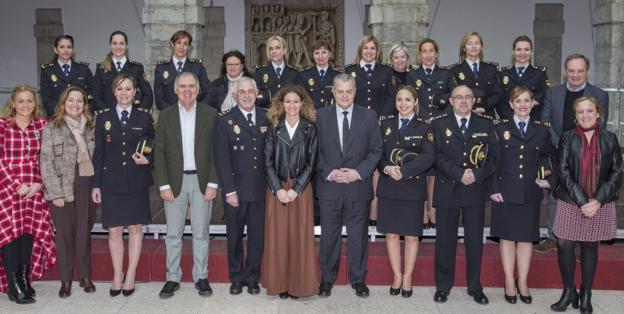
(406, 293)
(116, 292)
(526, 299)
(511, 299)
(395, 291)
(568, 296)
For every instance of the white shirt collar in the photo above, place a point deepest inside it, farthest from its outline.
(580, 88)
(61, 63)
(324, 69)
(176, 60)
(517, 120)
(245, 113)
(470, 63)
(364, 63)
(458, 119)
(122, 60)
(425, 67)
(340, 110)
(119, 110)
(281, 66)
(181, 108)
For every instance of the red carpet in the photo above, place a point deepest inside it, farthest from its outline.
(544, 270)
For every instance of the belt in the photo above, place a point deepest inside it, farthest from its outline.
(189, 171)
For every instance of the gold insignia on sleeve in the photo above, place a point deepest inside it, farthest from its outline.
(388, 131)
(448, 133)
(166, 74)
(462, 76)
(506, 135)
(418, 82)
(107, 125)
(53, 78)
(265, 78)
(236, 129)
(353, 74)
(505, 79)
(311, 82)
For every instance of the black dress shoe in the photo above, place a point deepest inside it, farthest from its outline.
(511, 299)
(406, 293)
(372, 223)
(568, 296)
(527, 299)
(361, 290)
(432, 225)
(203, 287)
(284, 295)
(426, 226)
(395, 291)
(325, 289)
(236, 287)
(440, 296)
(168, 289)
(86, 285)
(253, 288)
(127, 293)
(114, 292)
(479, 297)
(65, 290)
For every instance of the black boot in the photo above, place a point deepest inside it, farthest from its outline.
(585, 296)
(16, 292)
(568, 296)
(24, 271)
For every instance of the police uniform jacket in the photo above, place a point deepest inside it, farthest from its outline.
(520, 157)
(239, 158)
(415, 139)
(433, 91)
(319, 89)
(164, 81)
(53, 82)
(485, 87)
(268, 82)
(115, 170)
(533, 77)
(453, 156)
(103, 87)
(375, 91)
(288, 158)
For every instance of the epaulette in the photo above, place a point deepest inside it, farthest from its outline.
(47, 65)
(336, 69)
(349, 65)
(135, 62)
(195, 60)
(455, 64)
(484, 116)
(419, 119)
(504, 68)
(437, 117)
(101, 111)
(446, 67)
(490, 62)
(385, 117)
(260, 66)
(415, 67)
(544, 123)
(499, 121)
(164, 61)
(148, 111)
(222, 113)
(308, 68)
(541, 68)
(293, 67)
(81, 62)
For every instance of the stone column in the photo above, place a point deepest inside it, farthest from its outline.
(162, 18)
(49, 25)
(394, 21)
(548, 28)
(608, 70)
(214, 40)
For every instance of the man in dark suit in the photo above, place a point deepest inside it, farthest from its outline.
(186, 175)
(239, 136)
(559, 111)
(466, 156)
(348, 154)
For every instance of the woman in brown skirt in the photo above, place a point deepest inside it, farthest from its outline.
(289, 267)
(590, 174)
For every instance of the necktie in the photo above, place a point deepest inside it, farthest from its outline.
(520, 71)
(369, 69)
(428, 72)
(404, 123)
(180, 66)
(475, 69)
(278, 71)
(521, 126)
(345, 129)
(462, 127)
(250, 120)
(118, 66)
(322, 73)
(124, 117)
(66, 69)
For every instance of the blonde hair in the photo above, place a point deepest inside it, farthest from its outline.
(365, 40)
(58, 118)
(397, 48)
(464, 41)
(281, 41)
(276, 112)
(9, 111)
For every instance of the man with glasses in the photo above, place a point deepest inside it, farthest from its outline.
(467, 154)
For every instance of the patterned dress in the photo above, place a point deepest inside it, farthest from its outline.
(19, 163)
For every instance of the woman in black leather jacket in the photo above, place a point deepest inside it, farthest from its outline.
(289, 267)
(590, 174)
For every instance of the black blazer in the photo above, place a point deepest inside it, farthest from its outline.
(165, 75)
(320, 90)
(433, 91)
(534, 77)
(415, 138)
(375, 91)
(453, 153)
(486, 87)
(53, 81)
(519, 161)
(103, 87)
(362, 153)
(609, 177)
(287, 158)
(268, 82)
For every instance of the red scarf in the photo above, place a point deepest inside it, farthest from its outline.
(590, 159)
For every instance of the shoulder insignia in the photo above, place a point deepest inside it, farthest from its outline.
(445, 67)
(135, 62)
(437, 117)
(164, 61)
(101, 111)
(223, 113)
(349, 65)
(421, 120)
(385, 117)
(260, 66)
(496, 121)
(149, 111)
(504, 68)
(490, 62)
(415, 67)
(195, 60)
(544, 123)
(454, 65)
(484, 116)
(81, 62)
(47, 65)
(541, 68)
(308, 68)
(335, 69)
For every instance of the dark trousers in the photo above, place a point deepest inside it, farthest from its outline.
(73, 223)
(252, 215)
(356, 216)
(447, 220)
(17, 252)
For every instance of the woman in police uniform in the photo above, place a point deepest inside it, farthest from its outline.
(402, 187)
(517, 192)
(319, 79)
(122, 177)
(116, 63)
(522, 72)
(61, 72)
(276, 74)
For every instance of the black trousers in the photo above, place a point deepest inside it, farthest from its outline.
(252, 215)
(356, 214)
(447, 220)
(17, 252)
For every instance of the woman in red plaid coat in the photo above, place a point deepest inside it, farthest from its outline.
(26, 233)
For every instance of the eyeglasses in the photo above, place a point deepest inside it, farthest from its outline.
(233, 65)
(466, 98)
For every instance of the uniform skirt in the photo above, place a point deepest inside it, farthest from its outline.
(126, 209)
(571, 224)
(516, 222)
(400, 216)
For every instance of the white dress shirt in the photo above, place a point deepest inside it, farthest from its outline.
(119, 110)
(122, 60)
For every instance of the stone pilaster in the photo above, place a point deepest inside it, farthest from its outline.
(214, 40)
(548, 28)
(49, 25)
(394, 21)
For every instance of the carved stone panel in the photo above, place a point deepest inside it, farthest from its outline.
(300, 24)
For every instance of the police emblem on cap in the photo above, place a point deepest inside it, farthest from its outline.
(311, 81)
(166, 74)
(505, 79)
(506, 135)
(265, 78)
(53, 78)
(418, 82)
(236, 129)
(462, 76)
(107, 125)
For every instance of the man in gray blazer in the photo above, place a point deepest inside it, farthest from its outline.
(186, 175)
(559, 111)
(350, 145)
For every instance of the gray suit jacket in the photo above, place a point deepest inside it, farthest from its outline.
(362, 153)
(168, 158)
(553, 107)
